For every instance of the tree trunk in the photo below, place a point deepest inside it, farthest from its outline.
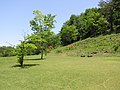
(42, 53)
(21, 62)
(111, 19)
(42, 50)
(111, 26)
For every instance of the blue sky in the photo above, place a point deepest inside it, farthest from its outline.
(16, 14)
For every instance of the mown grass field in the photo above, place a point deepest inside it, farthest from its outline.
(60, 73)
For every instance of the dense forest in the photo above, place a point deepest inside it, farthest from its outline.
(93, 22)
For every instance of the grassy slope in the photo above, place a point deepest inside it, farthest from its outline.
(102, 45)
(61, 73)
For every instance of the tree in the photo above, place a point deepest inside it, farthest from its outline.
(111, 11)
(21, 50)
(55, 41)
(40, 25)
(92, 23)
(116, 16)
(52, 39)
(68, 34)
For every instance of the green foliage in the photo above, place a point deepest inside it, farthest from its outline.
(6, 51)
(68, 34)
(41, 26)
(58, 50)
(54, 40)
(110, 10)
(117, 47)
(42, 22)
(91, 23)
(22, 50)
(50, 40)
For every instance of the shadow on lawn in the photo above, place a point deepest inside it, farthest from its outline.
(26, 65)
(35, 59)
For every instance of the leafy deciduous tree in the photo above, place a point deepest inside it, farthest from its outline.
(21, 50)
(111, 11)
(68, 34)
(41, 24)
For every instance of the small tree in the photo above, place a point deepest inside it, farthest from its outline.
(39, 25)
(21, 50)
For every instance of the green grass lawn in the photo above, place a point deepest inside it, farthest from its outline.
(60, 73)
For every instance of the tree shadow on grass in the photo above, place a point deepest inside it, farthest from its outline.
(25, 65)
(35, 59)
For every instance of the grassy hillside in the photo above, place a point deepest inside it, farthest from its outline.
(105, 45)
(60, 73)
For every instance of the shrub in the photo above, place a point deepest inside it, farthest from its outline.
(6, 51)
(59, 51)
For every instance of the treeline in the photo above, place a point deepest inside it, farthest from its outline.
(6, 51)
(93, 22)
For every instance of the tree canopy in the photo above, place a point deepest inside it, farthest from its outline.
(111, 11)
(91, 23)
(41, 26)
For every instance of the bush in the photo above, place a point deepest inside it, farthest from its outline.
(59, 51)
(117, 47)
(6, 51)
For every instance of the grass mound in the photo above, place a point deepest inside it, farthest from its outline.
(109, 44)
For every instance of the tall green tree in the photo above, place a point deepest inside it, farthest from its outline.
(107, 10)
(40, 25)
(111, 11)
(68, 34)
(116, 4)
(92, 23)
